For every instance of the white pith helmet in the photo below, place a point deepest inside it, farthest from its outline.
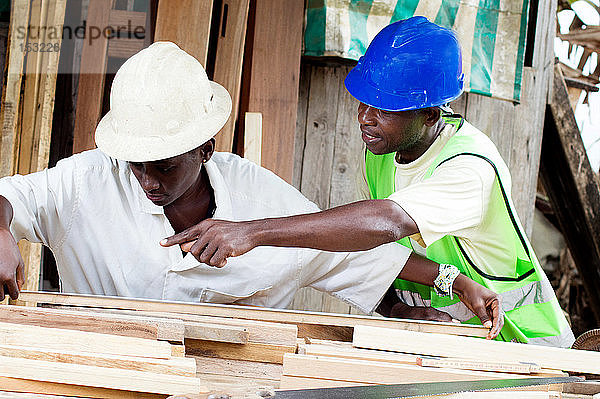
(161, 105)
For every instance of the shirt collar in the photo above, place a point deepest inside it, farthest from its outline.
(224, 209)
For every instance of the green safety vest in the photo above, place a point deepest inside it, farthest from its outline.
(532, 312)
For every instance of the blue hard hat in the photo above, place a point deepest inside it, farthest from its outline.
(410, 64)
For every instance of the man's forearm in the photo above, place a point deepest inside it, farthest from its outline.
(6, 213)
(353, 227)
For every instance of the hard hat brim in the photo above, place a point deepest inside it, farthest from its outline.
(126, 145)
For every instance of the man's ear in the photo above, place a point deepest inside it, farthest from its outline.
(432, 116)
(207, 149)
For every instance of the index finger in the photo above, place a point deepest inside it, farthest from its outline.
(497, 319)
(187, 235)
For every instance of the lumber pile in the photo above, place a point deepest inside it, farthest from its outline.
(391, 356)
(92, 356)
(238, 349)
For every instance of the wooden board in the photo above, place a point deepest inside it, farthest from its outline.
(251, 351)
(186, 23)
(94, 57)
(373, 372)
(81, 341)
(50, 388)
(292, 382)
(258, 331)
(356, 353)
(216, 333)
(239, 368)
(131, 326)
(228, 62)
(470, 348)
(253, 313)
(175, 365)
(11, 91)
(466, 364)
(99, 377)
(253, 137)
(340, 349)
(573, 189)
(274, 77)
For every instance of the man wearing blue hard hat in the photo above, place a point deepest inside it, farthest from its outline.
(437, 185)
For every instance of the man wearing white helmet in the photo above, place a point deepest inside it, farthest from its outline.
(438, 186)
(155, 173)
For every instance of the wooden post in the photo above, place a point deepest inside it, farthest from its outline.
(91, 79)
(229, 61)
(573, 188)
(253, 137)
(274, 76)
(11, 92)
(186, 23)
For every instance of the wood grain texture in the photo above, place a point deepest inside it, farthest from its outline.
(99, 377)
(130, 326)
(186, 23)
(175, 365)
(300, 134)
(228, 62)
(469, 348)
(373, 372)
(320, 135)
(465, 364)
(94, 57)
(217, 333)
(339, 351)
(33, 72)
(256, 352)
(238, 368)
(258, 331)
(56, 339)
(292, 382)
(11, 90)
(274, 79)
(40, 387)
(253, 313)
(253, 137)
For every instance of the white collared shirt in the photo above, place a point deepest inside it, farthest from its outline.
(104, 232)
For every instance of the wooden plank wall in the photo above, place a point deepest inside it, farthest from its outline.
(328, 147)
(3, 43)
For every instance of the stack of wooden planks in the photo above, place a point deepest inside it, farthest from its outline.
(239, 350)
(390, 356)
(93, 355)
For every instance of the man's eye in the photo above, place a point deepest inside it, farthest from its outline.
(166, 169)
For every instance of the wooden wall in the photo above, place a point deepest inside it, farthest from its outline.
(328, 147)
(3, 42)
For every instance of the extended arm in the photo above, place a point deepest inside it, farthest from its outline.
(353, 227)
(11, 262)
(483, 302)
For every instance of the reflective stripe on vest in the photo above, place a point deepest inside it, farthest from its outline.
(532, 311)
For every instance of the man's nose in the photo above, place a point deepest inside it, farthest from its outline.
(148, 182)
(366, 114)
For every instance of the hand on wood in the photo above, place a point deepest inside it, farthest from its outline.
(483, 302)
(11, 266)
(403, 311)
(212, 241)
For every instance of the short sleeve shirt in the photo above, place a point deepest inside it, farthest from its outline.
(92, 213)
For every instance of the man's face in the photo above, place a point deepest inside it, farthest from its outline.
(385, 132)
(166, 180)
